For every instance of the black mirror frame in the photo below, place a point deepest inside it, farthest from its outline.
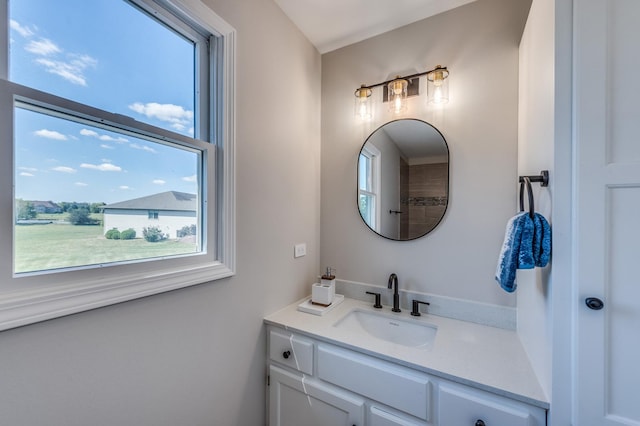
(446, 145)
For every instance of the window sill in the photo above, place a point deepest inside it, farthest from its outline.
(20, 308)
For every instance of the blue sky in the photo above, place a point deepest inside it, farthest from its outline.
(109, 55)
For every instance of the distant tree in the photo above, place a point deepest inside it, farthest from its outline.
(25, 210)
(65, 206)
(96, 207)
(80, 216)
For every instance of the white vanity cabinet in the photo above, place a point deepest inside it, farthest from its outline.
(312, 382)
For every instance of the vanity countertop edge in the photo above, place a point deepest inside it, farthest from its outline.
(484, 357)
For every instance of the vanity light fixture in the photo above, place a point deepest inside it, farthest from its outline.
(397, 90)
(438, 85)
(363, 108)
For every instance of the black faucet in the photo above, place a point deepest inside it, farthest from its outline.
(393, 281)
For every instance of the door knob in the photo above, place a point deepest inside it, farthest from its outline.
(594, 303)
(286, 354)
(480, 423)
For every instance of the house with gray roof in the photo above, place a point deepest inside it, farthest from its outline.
(46, 207)
(170, 211)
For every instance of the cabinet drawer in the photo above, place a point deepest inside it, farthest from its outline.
(395, 386)
(291, 350)
(378, 417)
(462, 406)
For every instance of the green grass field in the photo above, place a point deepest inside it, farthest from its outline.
(52, 246)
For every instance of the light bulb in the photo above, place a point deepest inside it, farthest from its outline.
(437, 94)
(397, 104)
(397, 94)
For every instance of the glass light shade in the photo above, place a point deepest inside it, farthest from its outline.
(438, 85)
(397, 95)
(363, 108)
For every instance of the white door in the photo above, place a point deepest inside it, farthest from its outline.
(607, 211)
(296, 400)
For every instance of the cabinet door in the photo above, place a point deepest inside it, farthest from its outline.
(296, 400)
(462, 406)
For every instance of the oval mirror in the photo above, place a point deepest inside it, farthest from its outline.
(403, 179)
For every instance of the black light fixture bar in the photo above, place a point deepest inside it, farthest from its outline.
(407, 77)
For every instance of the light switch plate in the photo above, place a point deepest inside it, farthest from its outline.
(299, 250)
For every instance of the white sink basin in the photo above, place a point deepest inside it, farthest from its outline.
(389, 328)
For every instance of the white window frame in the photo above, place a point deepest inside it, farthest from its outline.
(38, 297)
(373, 154)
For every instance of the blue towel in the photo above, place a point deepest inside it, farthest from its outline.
(512, 256)
(541, 240)
(527, 244)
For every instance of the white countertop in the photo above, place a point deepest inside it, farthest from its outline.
(487, 358)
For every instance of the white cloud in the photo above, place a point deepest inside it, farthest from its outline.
(28, 169)
(124, 187)
(64, 169)
(27, 174)
(81, 184)
(22, 30)
(68, 71)
(112, 139)
(82, 61)
(104, 167)
(192, 178)
(87, 132)
(143, 147)
(159, 181)
(105, 146)
(177, 116)
(105, 138)
(48, 53)
(42, 47)
(50, 134)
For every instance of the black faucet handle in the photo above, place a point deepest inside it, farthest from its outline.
(377, 303)
(416, 307)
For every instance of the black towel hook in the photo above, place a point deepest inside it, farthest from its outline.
(525, 180)
(542, 178)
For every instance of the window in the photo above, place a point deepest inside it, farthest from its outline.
(368, 186)
(109, 129)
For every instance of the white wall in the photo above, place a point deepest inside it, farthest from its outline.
(479, 43)
(197, 356)
(535, 153)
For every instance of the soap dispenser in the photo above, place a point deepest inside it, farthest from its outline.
(328, 278)
(322, 293)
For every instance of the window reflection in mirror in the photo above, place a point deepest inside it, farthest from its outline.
(403, 179)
